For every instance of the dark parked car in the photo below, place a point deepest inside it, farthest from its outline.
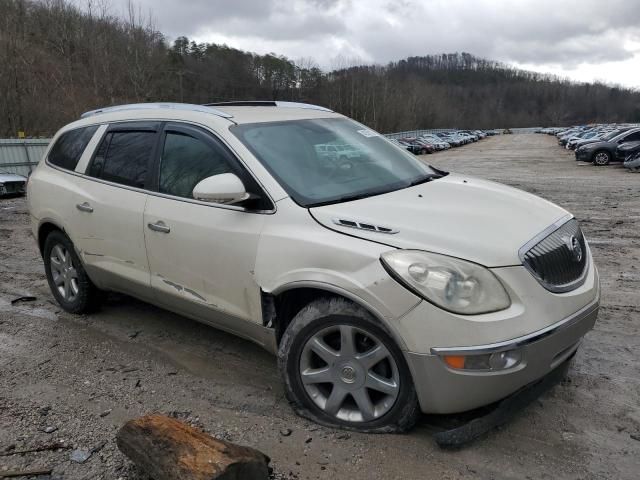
(625, 150)
(430, 148)
(413, 147)
(604, 152)
(605, 135)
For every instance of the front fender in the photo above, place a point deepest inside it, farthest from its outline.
(295, 251)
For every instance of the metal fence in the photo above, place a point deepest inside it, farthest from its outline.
(525, 130)
(21, 156)
(417, 133)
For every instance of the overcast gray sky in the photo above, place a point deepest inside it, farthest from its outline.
(584, 40)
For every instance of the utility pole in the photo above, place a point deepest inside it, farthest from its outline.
(180, 74)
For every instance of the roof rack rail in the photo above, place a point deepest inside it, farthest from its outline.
(268, 103)
(153, 106)
(243, 103)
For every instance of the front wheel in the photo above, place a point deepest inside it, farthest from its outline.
(601, 158)
(342, 369)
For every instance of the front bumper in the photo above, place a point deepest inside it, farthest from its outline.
(442, 389)
(583, 156)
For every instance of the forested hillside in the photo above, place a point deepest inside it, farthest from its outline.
(57, 61)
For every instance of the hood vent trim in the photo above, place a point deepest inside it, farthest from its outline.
(369, 227)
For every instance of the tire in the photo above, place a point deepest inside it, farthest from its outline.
(601, 158)
(374, 358)
(68, 280)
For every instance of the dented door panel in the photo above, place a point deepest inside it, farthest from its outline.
(204, 264)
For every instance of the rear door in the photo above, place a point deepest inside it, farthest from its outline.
(109, 208)
(202, 255)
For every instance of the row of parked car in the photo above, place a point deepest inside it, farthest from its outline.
(437, 141)
(601, 144)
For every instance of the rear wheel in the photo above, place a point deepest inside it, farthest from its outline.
(68, 281)
(342, 369)
(601, 158)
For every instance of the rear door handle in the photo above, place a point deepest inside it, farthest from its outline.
(84, 207)
(159, 226)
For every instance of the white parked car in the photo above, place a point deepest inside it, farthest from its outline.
(12, 184)
(386, 287)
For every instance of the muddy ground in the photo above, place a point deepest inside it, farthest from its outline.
(83, 376)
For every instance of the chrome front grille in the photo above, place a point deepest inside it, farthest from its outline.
(558, 257)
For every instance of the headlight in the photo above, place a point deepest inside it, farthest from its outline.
(450, 283)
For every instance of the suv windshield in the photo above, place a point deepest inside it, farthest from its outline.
(331, 160)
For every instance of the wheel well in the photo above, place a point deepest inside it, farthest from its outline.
(602, 150)
(43, 232)
(279, 310)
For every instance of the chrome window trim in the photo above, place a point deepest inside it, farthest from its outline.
(163, 195)
(524, 340)
(567, 287)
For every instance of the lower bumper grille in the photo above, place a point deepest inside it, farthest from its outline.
(558, 257)
(13, 187)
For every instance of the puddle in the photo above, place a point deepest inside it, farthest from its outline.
(25, 309)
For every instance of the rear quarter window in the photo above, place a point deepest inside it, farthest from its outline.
(68, 149)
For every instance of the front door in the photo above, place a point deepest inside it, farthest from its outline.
(201, 255)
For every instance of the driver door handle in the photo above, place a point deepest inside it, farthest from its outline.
(159, 226)
(84, 207)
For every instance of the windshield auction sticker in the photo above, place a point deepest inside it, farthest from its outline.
(368, 133)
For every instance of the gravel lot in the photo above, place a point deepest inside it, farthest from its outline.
(84, 376)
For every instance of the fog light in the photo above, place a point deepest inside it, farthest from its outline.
(485, 362)
(502, 360)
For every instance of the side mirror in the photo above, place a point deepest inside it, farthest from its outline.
(225, 188)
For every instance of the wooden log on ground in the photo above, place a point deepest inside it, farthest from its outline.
(167, 449)
(27, 472)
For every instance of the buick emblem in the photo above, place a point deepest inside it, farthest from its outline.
(573, 244)
(348, 374)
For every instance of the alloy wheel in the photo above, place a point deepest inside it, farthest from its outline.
(349, 373)
(63, 273)
(602, 158)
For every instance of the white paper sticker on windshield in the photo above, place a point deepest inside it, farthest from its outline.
(368, 133)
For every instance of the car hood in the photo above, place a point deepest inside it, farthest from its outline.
(456, 215)
(11, 177)
(598, 144)
(586, 141)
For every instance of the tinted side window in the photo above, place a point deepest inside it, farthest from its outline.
(123, 157)
(187, 160)
(68, 149)
(633, 137)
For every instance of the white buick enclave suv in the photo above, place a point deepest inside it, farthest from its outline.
(385, 286)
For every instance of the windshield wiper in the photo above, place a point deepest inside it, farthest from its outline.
(425, 179)
(372, 193)
(352, 197)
